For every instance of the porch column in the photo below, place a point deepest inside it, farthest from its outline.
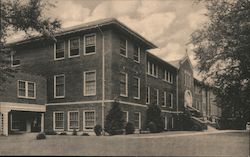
(1, 125)
(5, 123)
(42, 122)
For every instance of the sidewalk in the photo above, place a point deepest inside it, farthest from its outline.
(179, 133)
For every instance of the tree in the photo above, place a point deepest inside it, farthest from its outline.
(114, 123)
(222, 50)
(154, 115)
(26, 16)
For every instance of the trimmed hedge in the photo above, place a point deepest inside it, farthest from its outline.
(41, 136)
(98, 130)
(129, 129)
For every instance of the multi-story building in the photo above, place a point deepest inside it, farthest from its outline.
(72, 83)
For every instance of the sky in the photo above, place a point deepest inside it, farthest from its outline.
(166, 23)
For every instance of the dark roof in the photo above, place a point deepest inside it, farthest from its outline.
(90, 25)
(159, 59)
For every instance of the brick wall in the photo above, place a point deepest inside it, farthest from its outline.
(10, 90)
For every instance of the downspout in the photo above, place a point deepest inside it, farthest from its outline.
(177, 94)
(103, 79)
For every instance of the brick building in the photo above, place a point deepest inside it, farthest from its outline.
(72, 83)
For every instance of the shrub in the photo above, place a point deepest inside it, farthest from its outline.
(154, 115)
(129, 129)
(98, 130)
(63, 133)
(50, 133)
(152, 127)
(114, 123)
(40, 136)
(74, 132)
(85, 134)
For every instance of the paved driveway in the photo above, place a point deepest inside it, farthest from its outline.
(164, 144)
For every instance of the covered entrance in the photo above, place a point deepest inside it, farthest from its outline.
(23, 121)
(19, 117)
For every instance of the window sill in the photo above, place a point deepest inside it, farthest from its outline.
(59, 97)
(74, 56)
(88, 54)
(58, 59)
(22, 97)
(123, 95)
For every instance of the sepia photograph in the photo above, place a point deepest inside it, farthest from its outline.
(125, 78)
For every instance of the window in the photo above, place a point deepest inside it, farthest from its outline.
(123, 84)
(155, 100)
(164, 103)
(14, 61)
(90, 44)
(89, 83)
(123, 47)
(58, 120)
(59, 50)
(125, 116)
(74, 47)
(137, 120)
(152, 69)
(157, 96)
(59, 86)
(26, 89)
(171, 101)
(187, 79)
(89, 120)
(168, 77)
(148, 95)
(73, 120)
(172, 122)
(136, 88)
(137, 55)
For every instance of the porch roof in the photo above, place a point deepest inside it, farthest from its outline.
(8, 106)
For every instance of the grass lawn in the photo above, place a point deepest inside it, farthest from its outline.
(223, 144)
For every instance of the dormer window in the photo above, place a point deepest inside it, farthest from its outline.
(74, 47)
(14, 61)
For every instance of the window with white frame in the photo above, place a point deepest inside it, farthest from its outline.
(73, 120)
(123, 84)
(171, 100)
(74, 47)
(157, 97)
(164, 103)
(168, 76)
(137, 54)
(137, 120)
(125, 116)
(15, 62)
(148, 96)
(137, 87)
(59, 48)
(89, 120)
(26, 89)
(58, 120)
(152, 69)
(59, 86)
(90, 44)
(123, 47)
(89, 83)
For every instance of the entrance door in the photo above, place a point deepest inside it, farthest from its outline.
(36, 124)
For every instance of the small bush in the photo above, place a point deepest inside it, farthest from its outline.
(41, 136)
(50, 133)
(74, 132)
(63, 133)
(98, 130)
(85, 134)
(152, 127)
(129, 129)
